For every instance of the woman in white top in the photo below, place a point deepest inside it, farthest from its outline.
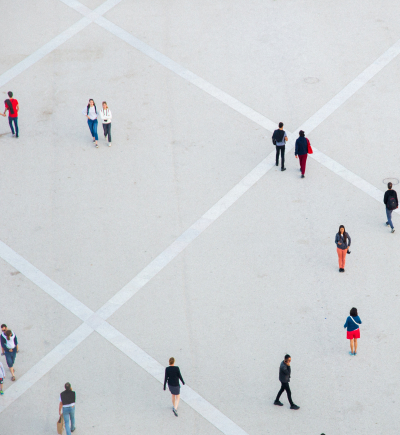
(90, 112)
(106, 117)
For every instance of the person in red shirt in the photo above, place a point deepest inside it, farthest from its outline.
(13, 107)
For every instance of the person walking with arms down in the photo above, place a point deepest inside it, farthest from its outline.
(172, 376)
(106, 117)
(67, 408)
(352, 324)
(9, 346)
(301, 151)
(2, 376)
(343, 242)
(12, 107)
(391, 201)
(90, 111)
(279, 139)
(284, 377)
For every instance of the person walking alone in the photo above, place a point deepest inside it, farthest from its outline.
(90, 111)
(172, 376)
(301, 151)
(279, 139)
(67, 408)
(106, 117)
(343, 242)
(12, 107)
(391, 201)
(284, 377)
(9, 346)
(352, 324)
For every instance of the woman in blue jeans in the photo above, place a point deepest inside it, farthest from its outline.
(90, 112)
(67, 408)
(9, 344)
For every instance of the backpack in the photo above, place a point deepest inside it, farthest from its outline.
(391, 203)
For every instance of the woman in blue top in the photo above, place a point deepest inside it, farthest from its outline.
(343, 242)
(352, 324)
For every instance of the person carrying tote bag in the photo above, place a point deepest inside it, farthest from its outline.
(60, 425)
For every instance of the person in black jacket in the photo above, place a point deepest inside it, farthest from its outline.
(172, 376)
(279, 139)
(284, 377)
(391, 202)
(301, 151)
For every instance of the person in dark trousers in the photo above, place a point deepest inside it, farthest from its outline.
(352, 324)
(343, 242)
(301, 151)
(172, 376)
(12, 107)
(279, 139)
(391, 201)
(67, 408)
(284, 377)
(106, 117)
(9, 348)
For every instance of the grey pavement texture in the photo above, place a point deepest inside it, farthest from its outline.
(260, 281)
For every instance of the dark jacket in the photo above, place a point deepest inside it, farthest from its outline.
(388, 194)
(284, 373)
(172, 375)
(301, 146)
(344, 245)
(279, 137)
(350, 325)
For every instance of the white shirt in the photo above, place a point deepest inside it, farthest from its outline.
(67, 406)
(106, 116)
(2, 372)
(92, 112)
(10, 344)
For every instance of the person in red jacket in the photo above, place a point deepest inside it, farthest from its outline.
(12, 106)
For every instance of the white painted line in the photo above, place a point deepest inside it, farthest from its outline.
(189, 76)
(35, 373)
(45, 283)
(60, 39)
(155, 369)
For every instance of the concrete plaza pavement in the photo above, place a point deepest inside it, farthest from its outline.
(262, 280)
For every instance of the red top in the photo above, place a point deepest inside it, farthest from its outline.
(14, 103)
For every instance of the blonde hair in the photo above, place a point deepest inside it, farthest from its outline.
(171, 360)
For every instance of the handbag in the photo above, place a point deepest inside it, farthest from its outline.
(309, 149)
(60, 425)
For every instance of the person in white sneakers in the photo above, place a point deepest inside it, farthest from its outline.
(90, 112)
(106, 117)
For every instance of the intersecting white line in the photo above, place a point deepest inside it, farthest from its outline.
(96, 321)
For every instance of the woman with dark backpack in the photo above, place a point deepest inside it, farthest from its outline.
(352, 324)
(90, 112)
(391, 201)
(343, 242)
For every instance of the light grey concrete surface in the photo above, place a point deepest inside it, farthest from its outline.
(263, 279)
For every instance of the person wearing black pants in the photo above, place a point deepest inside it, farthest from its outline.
(284, 377)
(279, 139)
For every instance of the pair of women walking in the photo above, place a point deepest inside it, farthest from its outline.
(90, 111)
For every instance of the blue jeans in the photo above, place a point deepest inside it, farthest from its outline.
(10, 121)
(389, 218)
(69, 412)
(10, 356)
(92, 123)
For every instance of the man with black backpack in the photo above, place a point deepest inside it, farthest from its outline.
(391, 202)
(279, 139)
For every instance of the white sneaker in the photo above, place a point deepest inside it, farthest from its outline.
(392, 230)
(109, 144)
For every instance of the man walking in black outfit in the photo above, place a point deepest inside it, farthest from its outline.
(279, 139)
(284, 377)
(391, 201)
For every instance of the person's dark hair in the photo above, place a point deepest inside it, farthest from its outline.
(280, 124)
(344, 233)
(3, 325)
(9, 105)
(10, 94)
(8, 333)
(353, 312)
(287, 356)
(301, 133)
(390, 185)
(67, 386)
(88, 106)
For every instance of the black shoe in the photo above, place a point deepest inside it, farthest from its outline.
(175, 412)
(73, 429)
(283, 169)
(340, 270)
(276, 164)
(302, 175)
(277, 402)
(294, 406)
